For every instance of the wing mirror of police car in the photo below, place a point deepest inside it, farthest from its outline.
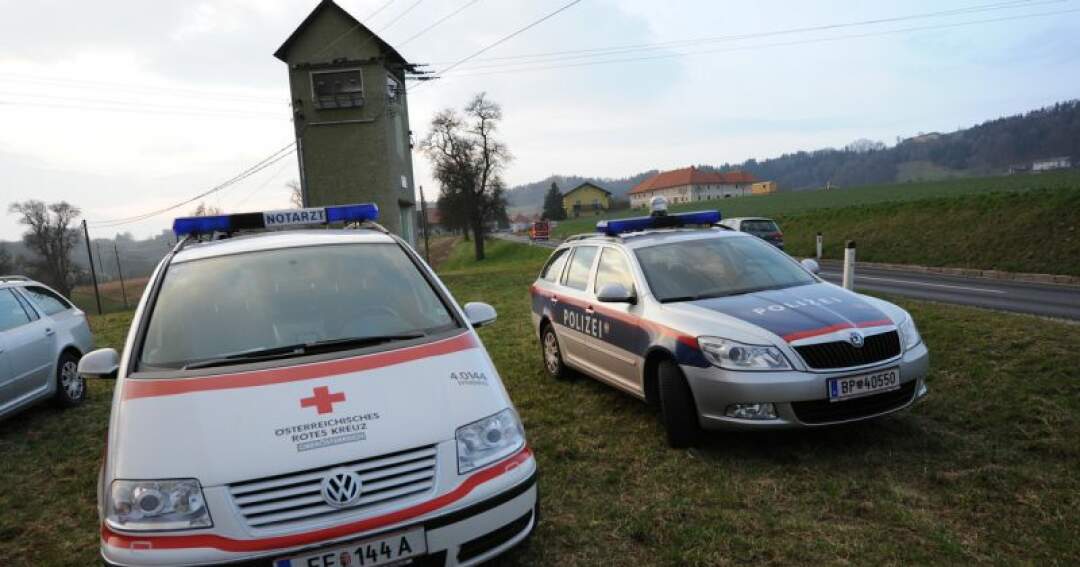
(101, 363)
(811, 265)
(615, 293)
(480, 314)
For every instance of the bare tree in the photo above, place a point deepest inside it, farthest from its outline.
(8, 265)
(468, 158)
(296, 194)
(51, 237)
(204, 210)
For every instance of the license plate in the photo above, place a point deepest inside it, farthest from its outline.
(379, 551)
(864, 384)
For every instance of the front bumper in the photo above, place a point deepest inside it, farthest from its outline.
(714, 390)
(468, 533)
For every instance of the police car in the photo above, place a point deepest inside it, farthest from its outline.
(721, 329)
(303, 398)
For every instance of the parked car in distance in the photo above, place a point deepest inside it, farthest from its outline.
(308, 398)
(42, 338)
(761, 227)
(540, 230)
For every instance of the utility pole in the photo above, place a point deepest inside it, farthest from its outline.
(93, 274)
(423, 216)
(120, 274)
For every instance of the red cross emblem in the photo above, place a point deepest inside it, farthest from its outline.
(322, 400)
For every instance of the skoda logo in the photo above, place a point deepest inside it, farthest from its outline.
(856, 339)
(341, 488)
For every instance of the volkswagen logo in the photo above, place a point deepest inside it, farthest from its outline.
(341, 488)
(856, 339)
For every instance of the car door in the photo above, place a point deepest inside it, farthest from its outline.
(26, 349)
(615, 348)
(62, 313)
(573, 307)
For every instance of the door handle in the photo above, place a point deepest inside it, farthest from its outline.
(554, 299)
(589, 309)
(49, 332)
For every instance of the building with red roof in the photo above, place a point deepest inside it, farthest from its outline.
(691, 184)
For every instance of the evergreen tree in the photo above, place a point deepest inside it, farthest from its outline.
(553, 205)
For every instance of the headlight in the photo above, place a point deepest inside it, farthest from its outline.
(734, 355)
(156, 505)
(909, 335)
(488, 440)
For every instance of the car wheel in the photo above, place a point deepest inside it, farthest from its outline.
(677, 408)
(553, 361)
(70, 386)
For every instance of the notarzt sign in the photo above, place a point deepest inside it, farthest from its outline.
(289, 217)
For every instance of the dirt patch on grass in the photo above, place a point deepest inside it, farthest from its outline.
(441, 247)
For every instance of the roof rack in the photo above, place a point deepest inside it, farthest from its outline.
(14, 278)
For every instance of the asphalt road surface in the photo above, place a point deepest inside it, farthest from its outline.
(1048, 300)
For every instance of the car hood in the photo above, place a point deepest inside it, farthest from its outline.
(235, 427)
(793, 314)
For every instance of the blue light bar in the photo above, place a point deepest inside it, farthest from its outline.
(353, 213)
(637, 224)
(276, 219)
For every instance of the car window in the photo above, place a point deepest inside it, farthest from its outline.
(759, 226)
(30, 311)
(555, 265)
(12, 313)
(577, 276)
(49, 302)
(222, 306)
(714, 267)
(613, 268)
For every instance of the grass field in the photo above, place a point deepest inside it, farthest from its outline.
(112, 295)
(985, 471)
(1024, 223)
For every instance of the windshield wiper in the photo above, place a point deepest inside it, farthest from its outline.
(299, 349)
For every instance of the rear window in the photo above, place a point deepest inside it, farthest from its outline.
(49, 302)
(759, 226)
(223, 306)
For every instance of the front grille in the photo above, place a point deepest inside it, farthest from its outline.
(842, 354)
(296, 497)
(824, 411)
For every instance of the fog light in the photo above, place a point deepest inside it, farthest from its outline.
(766, 410)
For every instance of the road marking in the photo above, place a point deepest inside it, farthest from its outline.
(927, 284)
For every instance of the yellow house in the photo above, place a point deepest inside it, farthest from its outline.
(763, 187)
(586, 199)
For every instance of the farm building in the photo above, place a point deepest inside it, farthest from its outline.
(1063, 162)
(692, 184)
(586, 199)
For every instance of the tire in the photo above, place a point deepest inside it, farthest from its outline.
(552, 354)
(70, 386)
(678, 412)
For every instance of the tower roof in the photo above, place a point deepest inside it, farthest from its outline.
(283, 51)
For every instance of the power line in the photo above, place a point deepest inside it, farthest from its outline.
(127, 106)
(508, 37)
(379, 9)
(437, 22)
(519, 69)
(261, 186)
(397, 18)
(612, 50)
(144, 88)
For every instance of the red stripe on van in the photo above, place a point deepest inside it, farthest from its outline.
(790, 337)
(134, 389)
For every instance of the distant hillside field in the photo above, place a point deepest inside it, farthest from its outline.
(1021, 223)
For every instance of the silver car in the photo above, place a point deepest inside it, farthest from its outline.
(722, 331)
(42, 337)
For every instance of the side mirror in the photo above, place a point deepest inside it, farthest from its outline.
(480, 314)
(101, 363)
(615, 293)
(811, 265)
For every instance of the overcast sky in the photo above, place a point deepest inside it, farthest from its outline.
(127, 106)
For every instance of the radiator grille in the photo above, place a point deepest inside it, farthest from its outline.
(297, 497)
(842, 354)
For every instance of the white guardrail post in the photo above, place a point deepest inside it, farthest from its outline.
(819, 240)
(849, 265)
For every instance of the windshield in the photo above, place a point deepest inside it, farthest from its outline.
(713, 267)
(257, 301)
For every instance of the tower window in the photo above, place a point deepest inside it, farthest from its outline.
(337, 89)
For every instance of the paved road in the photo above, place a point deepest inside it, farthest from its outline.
(1048, 300)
